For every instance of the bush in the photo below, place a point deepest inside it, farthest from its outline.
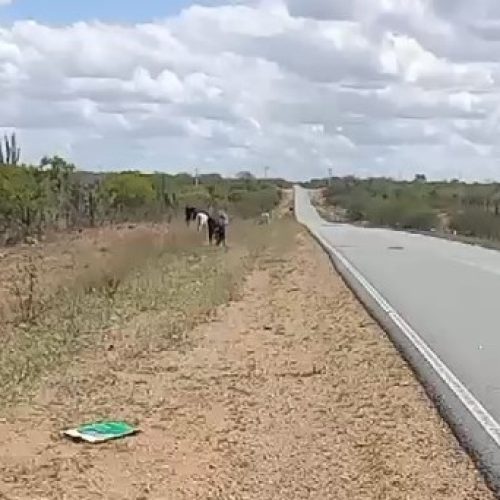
(55, 195)
(421, 219)
(477, 223)
(128, 191)
(198, 197)
(253, 203)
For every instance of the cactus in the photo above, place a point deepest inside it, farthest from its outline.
(9, 153)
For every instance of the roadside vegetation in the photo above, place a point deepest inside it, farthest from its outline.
(448, 207)
(99, 251)
(173, 277)
(54, 195)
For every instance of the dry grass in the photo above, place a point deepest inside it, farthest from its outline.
(64, 260)
(172, 273)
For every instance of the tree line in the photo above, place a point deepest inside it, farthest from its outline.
(55, 195)
(470, 209)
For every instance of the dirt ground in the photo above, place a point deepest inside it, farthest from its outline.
(291, 392)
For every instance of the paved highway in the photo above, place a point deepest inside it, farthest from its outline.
(446, 291)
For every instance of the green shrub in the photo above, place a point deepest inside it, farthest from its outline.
(55, 195)
(477, 223)
(253, 203)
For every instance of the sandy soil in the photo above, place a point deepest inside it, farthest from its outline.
(291, 393)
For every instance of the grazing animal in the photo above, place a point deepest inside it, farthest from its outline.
(223, 218)
(190, 214)
(220, 234)
(211, 224)
(265, 218)
(217, 231)
(201, 219)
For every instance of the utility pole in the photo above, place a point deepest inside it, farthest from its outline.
(330, 175)
(196, 176)
(266, 171)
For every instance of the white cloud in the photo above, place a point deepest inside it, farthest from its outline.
(381, 87)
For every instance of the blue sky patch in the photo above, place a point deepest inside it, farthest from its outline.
(67, 11)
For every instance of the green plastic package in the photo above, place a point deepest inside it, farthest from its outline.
(99, 432)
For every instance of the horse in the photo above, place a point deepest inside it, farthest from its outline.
(217, 230)
(190, 213)
(201, 219)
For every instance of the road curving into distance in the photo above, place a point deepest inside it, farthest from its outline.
(439, 301)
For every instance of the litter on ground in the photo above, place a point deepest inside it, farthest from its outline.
(99, 432)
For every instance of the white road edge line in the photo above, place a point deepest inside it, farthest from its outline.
(489, 424)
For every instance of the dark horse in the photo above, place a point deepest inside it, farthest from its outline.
(192, 212)
(217, 230)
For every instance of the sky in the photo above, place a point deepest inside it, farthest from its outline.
(60, 12)
(379, 87)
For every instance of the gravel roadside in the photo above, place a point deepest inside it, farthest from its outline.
(292, 392)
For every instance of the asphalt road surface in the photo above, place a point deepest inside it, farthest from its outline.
(446, 291)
